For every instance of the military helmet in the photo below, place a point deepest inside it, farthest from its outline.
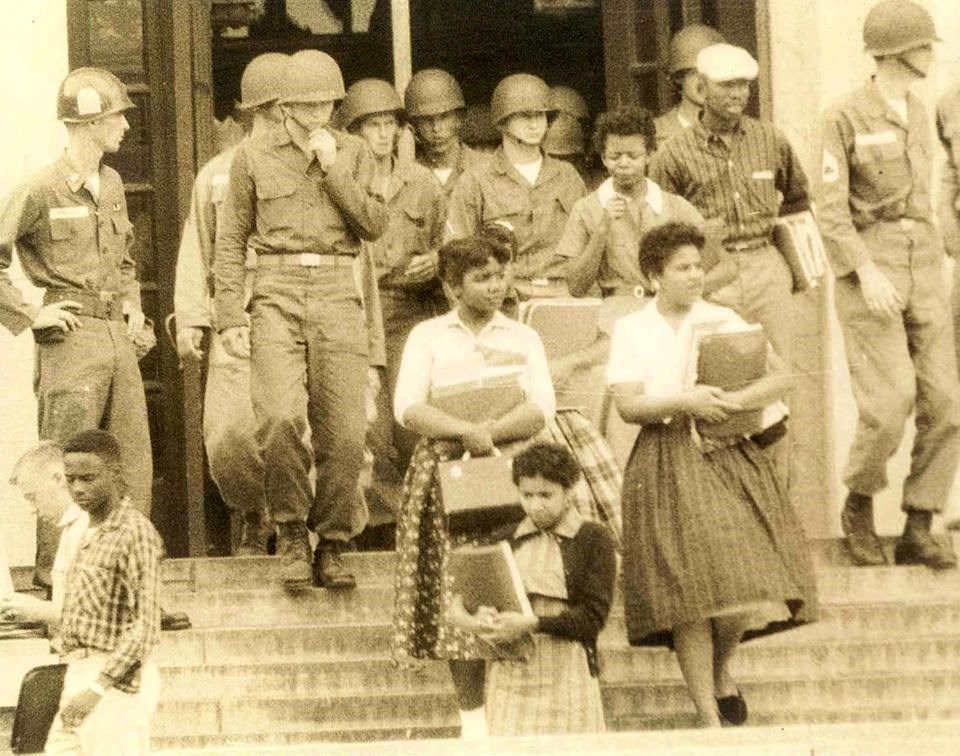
(564, 137)
(87, 94)
(311, 76)
(262, 80)
(687, 44)
(569, 100)
(519, 93)
(366, 97)
(896, 26)
(432, 92)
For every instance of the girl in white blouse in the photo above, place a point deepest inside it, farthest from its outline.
(713, 552)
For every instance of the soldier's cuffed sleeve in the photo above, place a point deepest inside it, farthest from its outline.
(191, 293)
(846, 249)
(140, 568)
(948, 210)
(791, 179)
(129, 285)
(238, 219)
(372, 309)
(348, 182)
(18, 216)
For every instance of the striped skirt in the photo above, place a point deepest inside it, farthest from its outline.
(706, 534)
(552, 693)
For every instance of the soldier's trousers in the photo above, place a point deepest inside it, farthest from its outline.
(309, 365)
(898, 366)
(92, 380)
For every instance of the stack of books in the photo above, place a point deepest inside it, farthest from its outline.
(798, 239)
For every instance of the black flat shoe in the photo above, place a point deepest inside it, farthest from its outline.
(733, 709)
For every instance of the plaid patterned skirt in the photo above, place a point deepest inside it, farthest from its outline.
(550, 694)
(422, 584)
(706, 533)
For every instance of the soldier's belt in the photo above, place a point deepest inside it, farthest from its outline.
(105, 305)
(303, 260)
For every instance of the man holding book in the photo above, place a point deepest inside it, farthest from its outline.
(890, 293)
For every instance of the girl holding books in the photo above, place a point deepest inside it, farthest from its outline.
(568, 568)
(472, 343)
(713, 551)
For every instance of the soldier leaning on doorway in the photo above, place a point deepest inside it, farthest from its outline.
(302, 198)
(229, 424)
(73, 238)
(890, 293)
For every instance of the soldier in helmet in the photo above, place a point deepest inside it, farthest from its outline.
(521, 187)
(434, 106)
(303, 199)
(228, 420)
(682, 65)
(891, 299)
(73, 237)
(405, 257)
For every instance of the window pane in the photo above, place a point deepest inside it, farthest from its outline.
(116, 36)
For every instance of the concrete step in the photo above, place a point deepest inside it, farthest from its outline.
(886, 619)
(317, 716)
(811, 658)
(277, 644)
(303, 742)
(794, 696)
(301, 679)
(894, 738)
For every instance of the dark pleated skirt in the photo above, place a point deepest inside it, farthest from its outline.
(705, 534)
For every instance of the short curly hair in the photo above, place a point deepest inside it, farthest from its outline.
(550, 461)
(457, 257)
(631, 121)
(661, 242)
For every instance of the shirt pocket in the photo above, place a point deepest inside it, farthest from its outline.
(511, 206)
(92, 585)
(68, 237)
(549, 219)
(882, 169)
(277, 204)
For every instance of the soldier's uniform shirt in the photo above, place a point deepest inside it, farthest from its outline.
(314, 328)
(948, 129)
(77, 246)
(466, 158)
(745, 180)
(229, 425)
(875, 205)
(417, 207)
(537, 213)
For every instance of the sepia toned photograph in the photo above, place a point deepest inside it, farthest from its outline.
(480, 377)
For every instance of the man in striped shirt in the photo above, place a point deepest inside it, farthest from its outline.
(743, 173)
(111, 612)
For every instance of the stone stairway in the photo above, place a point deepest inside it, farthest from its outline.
(262, 668)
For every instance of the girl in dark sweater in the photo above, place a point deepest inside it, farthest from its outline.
(568, 567)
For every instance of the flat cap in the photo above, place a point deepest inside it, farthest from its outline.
(723, 62)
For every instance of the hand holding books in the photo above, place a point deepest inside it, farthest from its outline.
(710, 403)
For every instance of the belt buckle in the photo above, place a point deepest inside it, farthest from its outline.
(309, 259)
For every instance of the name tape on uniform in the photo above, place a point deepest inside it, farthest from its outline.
(763, 175)
(64, 213)
(874, 138)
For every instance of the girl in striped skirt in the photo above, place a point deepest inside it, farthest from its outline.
(568, 567)
(713, 552)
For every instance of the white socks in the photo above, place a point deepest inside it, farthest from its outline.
(473, 723)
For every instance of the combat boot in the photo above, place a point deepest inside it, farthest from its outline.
(329, 570)
(253, 535)
(293, 547)
(861, 540)
(918, 546)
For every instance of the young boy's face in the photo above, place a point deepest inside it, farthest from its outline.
(544, 501)
(310, 115)
(527, 128)
(483, 289)
(379, 131)
(625, 158)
